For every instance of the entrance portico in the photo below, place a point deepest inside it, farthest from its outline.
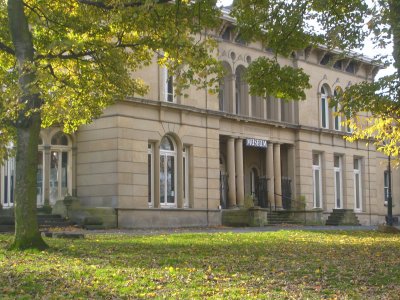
(250, 160)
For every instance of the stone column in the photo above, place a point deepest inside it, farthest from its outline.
(270, 173)
(230, 153)
(278, 175)
(156, 160)
(239, 173)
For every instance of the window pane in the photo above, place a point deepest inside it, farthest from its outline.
(64, 174)
(162, 179)
(316, 159)
(317, 189)
(357, 190)
(356, 164)
(59, 139)
(166, 144)
(184, 177)
(149, 175)
(336, 161)
(54, 158)
(338, 189)
(6, 178)
(323, 112)
(170, 179)
(39, 179)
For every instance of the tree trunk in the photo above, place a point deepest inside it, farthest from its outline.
(27, 233)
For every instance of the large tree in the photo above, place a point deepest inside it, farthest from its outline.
(62, 62)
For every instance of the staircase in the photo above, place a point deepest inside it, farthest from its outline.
(342, 217)
(280, 217)
(45, 222)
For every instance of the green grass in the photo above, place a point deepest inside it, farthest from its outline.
(271, 265)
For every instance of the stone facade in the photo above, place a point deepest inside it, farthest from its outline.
(166, 160)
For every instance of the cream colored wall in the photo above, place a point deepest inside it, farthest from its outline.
(112, 154)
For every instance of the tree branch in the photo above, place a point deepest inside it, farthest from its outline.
(6, 48)
(101, 4)
(65, 55)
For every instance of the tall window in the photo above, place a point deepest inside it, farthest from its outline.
(337, 119)
(8, 182)
(40, 178)
(317, 180)
(221, 95)
(185, 158)
(59, 163)
(167, 172)
(337, 167)
(169, 95)
(150, 177)
(357, 185)
(324, 108)
(238, 92)
(386, 185)
(241, 92)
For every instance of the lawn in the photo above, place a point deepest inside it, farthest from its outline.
(270, 265)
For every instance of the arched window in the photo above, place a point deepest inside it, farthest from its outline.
(59, 167)
(336, 118)
(324, 108)
(241, 92)
(225, 85)
(167, 172)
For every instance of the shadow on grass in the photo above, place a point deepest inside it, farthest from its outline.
(332, 260)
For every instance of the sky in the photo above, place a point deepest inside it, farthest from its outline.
(368, 50)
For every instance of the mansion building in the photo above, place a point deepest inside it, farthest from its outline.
(165, 160)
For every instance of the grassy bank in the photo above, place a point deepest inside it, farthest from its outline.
(271, 265)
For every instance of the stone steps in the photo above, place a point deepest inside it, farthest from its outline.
(342, 217)
(280, 217)
(45, 222)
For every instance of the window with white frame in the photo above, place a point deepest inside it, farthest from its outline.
(59, 167)
(169, 93)
(337, 119)
(337, 167)
(348, 128)
(317, 180)
(324, 108)
(185, 157)
(8, 182)
(386, 186)
(357, 184)
(150, 176)
(167, 172)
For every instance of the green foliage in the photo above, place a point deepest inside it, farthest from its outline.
(267, 77)
(269, 265)
(86, 53)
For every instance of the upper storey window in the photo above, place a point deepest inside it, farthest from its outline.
(324, 108)
(225, 87)
(241, 92)
(337, 119)
(168, 82)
